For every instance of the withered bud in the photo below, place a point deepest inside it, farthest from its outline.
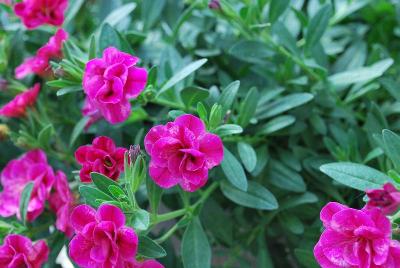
(134, 152)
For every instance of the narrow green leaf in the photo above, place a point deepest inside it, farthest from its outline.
(256, 196)
(192, 95)
(154, 193)
(276, 8)
(251, 51)
(392, 144)
(277, 124)
(318, 25)
(45, 135)
(119, 14)
(92, 47)
(356, 176)
(228, 95)
(228, 129)
(247, 155)
(151, 11)
(248, 107)
(196, 250)
(285, 178)
(108, 38)
(24, 201)
(182, 74)
(91, 195)
(78, 129)
(67, 90)
(233, 170)
(102, 182)
(148, 248)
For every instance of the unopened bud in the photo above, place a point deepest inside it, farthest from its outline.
(214, 4)
(134, 152)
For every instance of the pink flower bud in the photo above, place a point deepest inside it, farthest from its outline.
(387, 199)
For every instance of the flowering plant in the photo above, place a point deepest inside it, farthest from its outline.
(199, 133)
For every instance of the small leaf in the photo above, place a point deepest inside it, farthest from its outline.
(78, 129)
(182, 74)
(247, 155)
(193, 95)
(356, 176)
(67, 90)
(228, 95)
(233, 170)
(119, 14)
(45, 136)
(148, 248)
(202, 112)
(102, 182)
(256, 196)
(196, 250)
(117, 192)
(285, 178)
(141, 220)
(277, 124)
(276, 8)
(228, 129)
(392, 144)
(92, 194)
(92, 47)
(151, 11)
(248, 107)
(24, 201)
(318, 25)
(108, 38)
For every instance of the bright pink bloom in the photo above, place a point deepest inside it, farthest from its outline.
(30, 167)
(18, 251)
(353, 238)
(182, 152)
(101, 157)
(394, 256)
(61, 202)
(34, 13)
(17, 106)
(387, 199)
(110, 82)
(39, 64)
(101, 238)
(144, 264)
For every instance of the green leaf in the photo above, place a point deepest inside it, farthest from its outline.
(119, 14)
(256, 196)
(228, 129)
(92, 47)
(195, 248)
(233, 170)
(298, 200)
(151, 11)
(277, 124)
(108, 38)
(228, 95)
(102, 182)
(67, 90)
(154, 193)
(248, 107)
(251, 51)
(392, 144)
(276, 8)
(141, 220)
(318, 25)
(284, 104)
(92, 194)
(148, 248)
(391, 86)
(202, 112)
(247, 155)
(193, 95)
(215, 116)
(285, 178)
(286, 38)
(356, 176)
(73, 9)
(363, 74)
(24, 201)
(182, 74)
(117, 192)
(78, 129)
(45, 135)
(292, 223)
(306, 258)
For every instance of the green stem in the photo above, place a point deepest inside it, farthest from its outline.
(170, 215)
(168, 234)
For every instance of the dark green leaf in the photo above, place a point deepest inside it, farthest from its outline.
(193, 95)
(247, 155)
(248, 107)
(24, 201)
(92, 194)
(148, 248)
(318, 25)
(276, 8)
(233, 170)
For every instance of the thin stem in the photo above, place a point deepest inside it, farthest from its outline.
(168, 234)
(170, 215)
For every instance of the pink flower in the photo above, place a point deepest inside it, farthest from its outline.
(62, 201)
(18, 251)
(394, 256)
(110, 82)
(144, 264)
(102, 157)
(182, 152)
(353, 238)
(34, 13)
(17, 107)
(30, 167)
(387, 199)
(39, 64)
(101, 238)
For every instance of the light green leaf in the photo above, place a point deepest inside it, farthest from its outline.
(24, 201)
(318, 25)
(277, 124)
(119, 14)
(256, 196)
(67, 90)
(141, 220)
(356, 176)
(78, 129)
(228, 129)
(151, 11)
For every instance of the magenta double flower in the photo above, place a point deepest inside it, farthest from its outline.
(102, 239)
(109, 83)
(38, 12)
(17, 107)
(101, 156)
(387, 199)
(18, 251)
(356, 238)
(30, 167)
(39, 64)
(182, 152)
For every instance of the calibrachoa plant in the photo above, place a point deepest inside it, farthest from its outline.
(199, 134)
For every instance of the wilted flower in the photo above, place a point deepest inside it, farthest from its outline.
(18, 251)
(354, 238)
(17, 107)
(39, 64)
(30, 167)
(102, 157)
(182, 152)
(102, 239)
(34, 13)
(61, 202)
(109, 83)
(387, 199)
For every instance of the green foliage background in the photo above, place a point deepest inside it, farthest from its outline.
(318, 83)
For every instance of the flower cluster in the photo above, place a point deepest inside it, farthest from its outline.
(359, 238)
(109, 83)
(101, 156)
(34, 13)
(182, 152)
(39, 64)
